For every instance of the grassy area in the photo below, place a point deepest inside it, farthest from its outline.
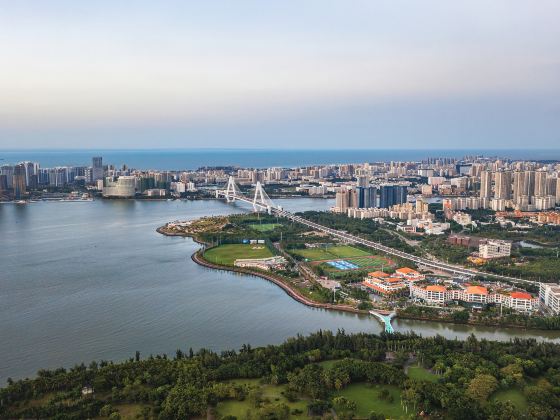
(265, 227)
(421, 374)
(332, 252)
(228, 253)
(513, 395)
(272, 393)
(367, 400)
(129, 411)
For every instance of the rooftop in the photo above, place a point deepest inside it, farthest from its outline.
(521, 295)
(378, 274)
(477, 290)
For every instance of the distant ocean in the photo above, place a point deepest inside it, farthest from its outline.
(169, 159)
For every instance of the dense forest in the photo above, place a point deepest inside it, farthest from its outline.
(460, 380)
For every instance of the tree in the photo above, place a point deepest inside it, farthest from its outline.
(461, 317)
(481, 387)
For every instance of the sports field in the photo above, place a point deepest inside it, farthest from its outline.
(228, 253)
(370, 263)
(264, 227)
(330, 253)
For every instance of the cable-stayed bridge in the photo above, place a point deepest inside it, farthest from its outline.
(262, 202)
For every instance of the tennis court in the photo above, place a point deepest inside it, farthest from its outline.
(373, 262)
(342, 265)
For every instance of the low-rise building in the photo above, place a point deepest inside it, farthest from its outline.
(409, 274)
(494, 248)
(265, 264)
(477, 296)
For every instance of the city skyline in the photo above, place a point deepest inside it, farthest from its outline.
(184, 75)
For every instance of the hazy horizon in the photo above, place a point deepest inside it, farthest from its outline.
(361, 75)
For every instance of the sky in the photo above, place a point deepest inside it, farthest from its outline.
(280, 74)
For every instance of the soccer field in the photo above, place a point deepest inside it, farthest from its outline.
(330, 253)
(228, 253)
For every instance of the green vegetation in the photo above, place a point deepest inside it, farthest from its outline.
(227, 254)
(421, 374)
(438, 247)
(329, 252)
(265, 227)
(366, 228)
(381, 399)
(308, 377)
(512, 395)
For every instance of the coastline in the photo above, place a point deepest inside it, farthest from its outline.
(294, 294)
(290, 291)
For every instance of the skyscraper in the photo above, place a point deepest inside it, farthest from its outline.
(19, 181)
(540, 184)
(502, 187)
(97, 168)
(391, 195)
(485, 184)
(529, 184)
(518, 183)
(342, 200)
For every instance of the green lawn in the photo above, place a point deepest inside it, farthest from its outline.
(421, 374)
(272, 393)
(366, 397)
(514, 395)
(332, 252)
(228, 253)
(264, 227)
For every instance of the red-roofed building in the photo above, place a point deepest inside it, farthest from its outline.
(409, 274)
(381, 283)
(378, 274)
(477, 296)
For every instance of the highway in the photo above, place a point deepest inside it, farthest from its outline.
(438, 265)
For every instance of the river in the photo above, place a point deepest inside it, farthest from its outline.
(84, 281)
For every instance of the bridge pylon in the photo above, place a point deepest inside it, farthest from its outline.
(232, 190)
(261, 199)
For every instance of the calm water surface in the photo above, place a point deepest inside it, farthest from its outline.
(93, 280)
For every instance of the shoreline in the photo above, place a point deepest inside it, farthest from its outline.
(294, 294)
(198, 259)
(290, 291)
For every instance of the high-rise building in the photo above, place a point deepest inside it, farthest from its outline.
(3, 183)
(529, 184)
(540, 184)
(8, 170)
(97, 169)
(19, 181)
(342, 200)
(558, 190)
(353, 198)
(502, 187)
(518, 182)
(391, 195)
(485, 184)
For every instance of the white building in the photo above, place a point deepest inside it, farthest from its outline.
(549, 296)
(265, 264)
(475, 295)
(494, 248)
(464, 219)
(123, 187)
